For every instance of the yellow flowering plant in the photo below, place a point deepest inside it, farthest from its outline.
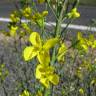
(45, 50)
(57, 60)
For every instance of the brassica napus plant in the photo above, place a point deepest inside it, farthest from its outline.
(41, 49)
(56, 64)
(44, 72)
(46, 50)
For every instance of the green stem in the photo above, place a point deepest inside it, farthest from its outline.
(42, 29)
(58, 30)
(64, 30)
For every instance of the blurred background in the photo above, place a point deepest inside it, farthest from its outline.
(87, 8)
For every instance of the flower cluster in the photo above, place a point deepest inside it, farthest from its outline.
(46, 75)
(85, 43)
(44, 71)
(27, 13)
(38, 18)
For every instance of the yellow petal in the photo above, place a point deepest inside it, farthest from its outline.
(81, 90)
(50, 43)
(44, 13)
(94, 44)
(35, 39)
(74, 10)
(77, 14)
(49, 70)
(85, 47)
(39, 71)
(45, 82)
(61, 58)
(62, 49)
(44, 57)
(13, 31)
(25, 93)
(54, 79)
(29, 53)
(79, 35)
(61, 52)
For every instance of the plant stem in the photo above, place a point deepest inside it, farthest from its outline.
(58, 30)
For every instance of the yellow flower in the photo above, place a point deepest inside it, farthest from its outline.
(25, 93)
(38, 49)
(38, 18)
(81, 91)
(44, 13)
(13, 31)
(61, 52)
(83, 42)
(27, 12)
(41, 1)
(92, 41)
(14, 18)
(38, 15)
(46, 75)
(74, 13)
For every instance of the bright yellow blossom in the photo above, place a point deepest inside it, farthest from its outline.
(83, 42)
(38, 18)
(46, 75)
(13, 31)
(44, 13)
(14, 18)
(38, 49)
(25, 93)
(61, 52)
(74, 13)
(27, 12)
(81, 91)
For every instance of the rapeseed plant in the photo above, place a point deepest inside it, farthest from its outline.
(49, 52)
